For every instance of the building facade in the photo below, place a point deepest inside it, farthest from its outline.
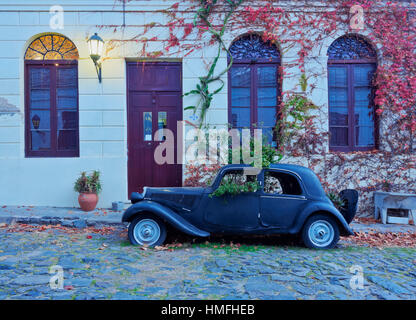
(57, 119)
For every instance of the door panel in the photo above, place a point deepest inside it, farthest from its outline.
(281, 200)
(233, 212)
(148, 111)
(239, 212)
(280, 210)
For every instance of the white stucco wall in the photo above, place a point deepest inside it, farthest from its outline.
(102, 110)
(102, 106)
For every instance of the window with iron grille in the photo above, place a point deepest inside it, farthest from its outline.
(352, 63)
(254, 86)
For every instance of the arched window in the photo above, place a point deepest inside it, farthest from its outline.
(51, 97)
(254, 86)
(352, 62)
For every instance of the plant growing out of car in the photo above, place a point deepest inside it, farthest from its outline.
(236, 183)
(233, 189)
(269, 154)
(336, 200)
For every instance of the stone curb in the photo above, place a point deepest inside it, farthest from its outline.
(74, 222)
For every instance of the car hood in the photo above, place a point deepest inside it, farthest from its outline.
(174, 197)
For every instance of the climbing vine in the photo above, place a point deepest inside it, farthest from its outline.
(302, 34)
(202, 88)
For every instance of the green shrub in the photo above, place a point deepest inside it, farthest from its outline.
(336, 200)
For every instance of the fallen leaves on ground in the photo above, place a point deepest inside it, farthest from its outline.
(161, 248)
(22, 227)
(387, 239)
(369, 220)
(366, 220)
(371, 238)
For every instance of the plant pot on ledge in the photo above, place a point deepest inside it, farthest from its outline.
(88, 186)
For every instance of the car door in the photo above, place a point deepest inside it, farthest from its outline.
(233, 212)
(282, 198)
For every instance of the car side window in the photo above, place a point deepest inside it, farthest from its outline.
(237, 177)
(276, 182)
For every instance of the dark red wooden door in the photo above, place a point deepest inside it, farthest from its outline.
(154, 102)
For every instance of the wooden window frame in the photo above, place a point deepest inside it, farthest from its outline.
(253, 65)
(351, 147)
(54, 152)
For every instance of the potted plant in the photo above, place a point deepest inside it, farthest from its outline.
(88, 186)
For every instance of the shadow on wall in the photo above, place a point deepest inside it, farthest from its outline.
(7, 108)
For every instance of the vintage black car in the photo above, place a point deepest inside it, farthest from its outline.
(289, 200)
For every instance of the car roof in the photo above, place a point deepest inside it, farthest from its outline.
(303, 172)
(309, 178)
(290, 167)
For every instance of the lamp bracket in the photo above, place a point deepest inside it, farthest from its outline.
(97, 67)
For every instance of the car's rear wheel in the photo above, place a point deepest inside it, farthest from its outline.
(320, 232)
(147, 230)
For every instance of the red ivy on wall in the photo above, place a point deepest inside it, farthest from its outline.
(389, 26)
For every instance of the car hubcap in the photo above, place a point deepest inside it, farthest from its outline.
(321, 233)
(147, 232)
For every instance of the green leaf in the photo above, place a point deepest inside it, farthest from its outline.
(191, 92)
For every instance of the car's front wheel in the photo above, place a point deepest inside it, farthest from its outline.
(147, 230)
(320, 232)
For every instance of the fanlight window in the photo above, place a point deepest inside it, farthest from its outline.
(51, 98)
(351, 47)
(351, 66)
(252, 47)
(51, 47)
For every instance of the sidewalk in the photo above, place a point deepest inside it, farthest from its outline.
(68, 217)
(75, 217)
(382, 228)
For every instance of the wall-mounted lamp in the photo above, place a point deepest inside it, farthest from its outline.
(96, 45)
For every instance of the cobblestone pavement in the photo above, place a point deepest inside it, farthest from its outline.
(108, 267)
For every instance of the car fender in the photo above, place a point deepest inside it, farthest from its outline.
(320, 206)
(164, 213)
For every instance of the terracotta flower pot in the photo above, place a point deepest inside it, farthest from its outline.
(87, 201)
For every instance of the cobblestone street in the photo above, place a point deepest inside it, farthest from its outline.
(107, 266)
